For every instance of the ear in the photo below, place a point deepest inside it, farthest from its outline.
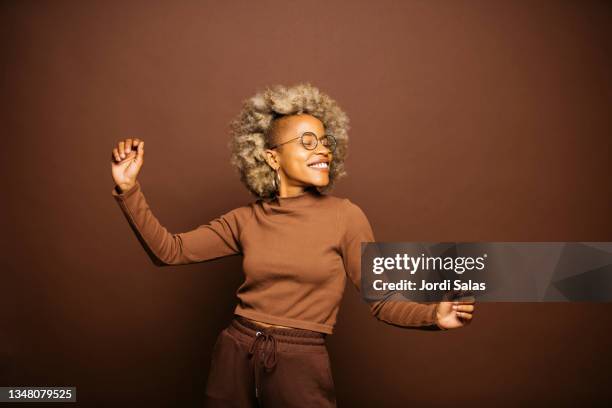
(272, 158)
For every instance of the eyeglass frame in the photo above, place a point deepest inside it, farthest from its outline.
(302, 142)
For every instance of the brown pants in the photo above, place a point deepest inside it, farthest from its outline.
(254, 366)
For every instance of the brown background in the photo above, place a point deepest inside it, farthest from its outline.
(473, 120)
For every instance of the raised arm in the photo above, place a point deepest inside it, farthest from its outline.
(221, 237)
(393, 308)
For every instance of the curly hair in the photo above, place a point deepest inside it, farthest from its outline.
(252, 132)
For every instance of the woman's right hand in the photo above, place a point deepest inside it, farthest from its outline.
(126, 160)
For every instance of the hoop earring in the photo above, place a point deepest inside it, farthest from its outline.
(276, 183)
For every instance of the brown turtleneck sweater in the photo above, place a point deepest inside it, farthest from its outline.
(297, 252)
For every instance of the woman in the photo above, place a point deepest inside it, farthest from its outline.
(298, 245)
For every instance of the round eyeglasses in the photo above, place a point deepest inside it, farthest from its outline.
(310, 141)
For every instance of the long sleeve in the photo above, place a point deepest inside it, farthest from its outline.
(219, 238)
(393, 308)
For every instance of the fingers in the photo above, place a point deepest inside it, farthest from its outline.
(465, 302)
(463, 308)
(131, 144)
(135, 142)
(128, 145)
(122, 149)
(140, 152)
(464, 311)
(125, 147)
(465, 316)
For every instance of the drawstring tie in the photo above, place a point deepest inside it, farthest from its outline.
(267, 361)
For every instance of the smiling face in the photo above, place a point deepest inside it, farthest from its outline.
(292, 160)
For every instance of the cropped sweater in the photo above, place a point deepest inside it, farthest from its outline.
(296, 254)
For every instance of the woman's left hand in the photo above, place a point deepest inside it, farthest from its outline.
(455, 314)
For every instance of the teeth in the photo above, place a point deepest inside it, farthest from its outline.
(319, 165)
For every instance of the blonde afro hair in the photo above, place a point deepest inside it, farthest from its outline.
(251, 133)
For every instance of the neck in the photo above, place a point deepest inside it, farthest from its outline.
(296, 192)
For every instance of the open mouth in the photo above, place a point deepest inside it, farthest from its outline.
(319, 166)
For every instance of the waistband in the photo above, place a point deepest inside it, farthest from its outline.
(293, 335)
(264, 342)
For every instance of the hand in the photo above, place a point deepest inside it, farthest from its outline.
(455, 314)
(126, 161)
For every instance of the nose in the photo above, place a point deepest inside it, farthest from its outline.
(322, 149)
